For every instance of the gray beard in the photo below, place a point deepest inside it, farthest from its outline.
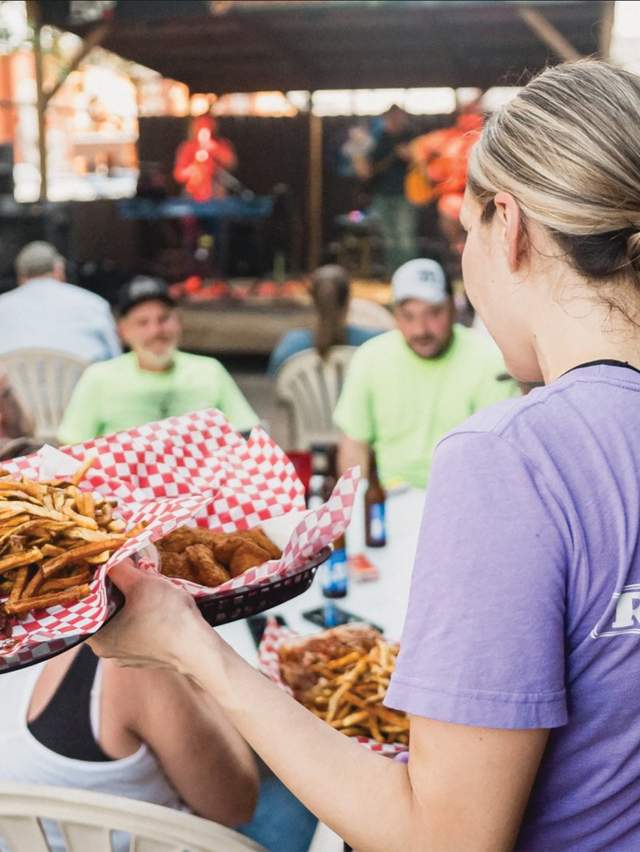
(159, 361)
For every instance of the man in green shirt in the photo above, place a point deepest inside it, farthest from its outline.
(405, 389)
(154, 380)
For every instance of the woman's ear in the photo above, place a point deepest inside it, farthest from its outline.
(512, 231)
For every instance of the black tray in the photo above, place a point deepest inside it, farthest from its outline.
(116, 602)
(222, 609)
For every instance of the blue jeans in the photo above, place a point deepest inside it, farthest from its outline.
(281, 822)
(398, 224)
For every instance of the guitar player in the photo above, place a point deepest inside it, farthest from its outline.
(387, 169)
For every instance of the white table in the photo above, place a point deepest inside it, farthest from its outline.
(383, 601)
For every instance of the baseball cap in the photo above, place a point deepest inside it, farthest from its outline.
(422, 279)
(140, 289)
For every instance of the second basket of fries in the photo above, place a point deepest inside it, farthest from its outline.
(340, 675)
(217, 515)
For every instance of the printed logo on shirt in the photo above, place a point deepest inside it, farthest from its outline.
(622, 615)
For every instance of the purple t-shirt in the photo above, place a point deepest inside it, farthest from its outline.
(525, 599)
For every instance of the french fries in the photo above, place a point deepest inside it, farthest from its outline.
(342, 676)
(52, 537)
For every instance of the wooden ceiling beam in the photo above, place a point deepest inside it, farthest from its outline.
(548, 33)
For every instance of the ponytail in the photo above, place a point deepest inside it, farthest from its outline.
(330, 292)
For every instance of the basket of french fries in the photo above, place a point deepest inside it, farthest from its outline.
(340, 675)
(55, 541)
(53, 535)
(218, 515)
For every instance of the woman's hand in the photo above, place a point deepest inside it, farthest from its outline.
(158, 626)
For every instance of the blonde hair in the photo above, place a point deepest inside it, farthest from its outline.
(567, 147)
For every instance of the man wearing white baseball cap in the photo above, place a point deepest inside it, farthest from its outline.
(405, 389)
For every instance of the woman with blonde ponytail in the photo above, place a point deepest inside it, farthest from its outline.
(520, 658)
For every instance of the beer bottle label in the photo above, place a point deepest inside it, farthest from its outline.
(377, 527)
(334, 575)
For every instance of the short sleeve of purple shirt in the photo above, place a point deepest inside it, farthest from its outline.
(483, 642)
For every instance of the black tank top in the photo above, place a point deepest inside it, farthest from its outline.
(64, 726)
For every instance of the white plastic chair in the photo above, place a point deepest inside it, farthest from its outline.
(86, 821)
(308, 387)
(369, 314)
(42, 381)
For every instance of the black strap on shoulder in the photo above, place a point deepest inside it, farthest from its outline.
(610, 362)
(64, 726)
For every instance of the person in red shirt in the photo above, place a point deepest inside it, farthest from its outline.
(443, 155)
(202, 161)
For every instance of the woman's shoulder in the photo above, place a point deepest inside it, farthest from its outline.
(515, 414)
(566, 417)
(294, 341)
(357, 334)
(297, 337)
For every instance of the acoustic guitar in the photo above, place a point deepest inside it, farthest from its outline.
(418, 189)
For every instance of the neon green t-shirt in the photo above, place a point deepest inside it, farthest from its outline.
(115, 395)
(403, 405)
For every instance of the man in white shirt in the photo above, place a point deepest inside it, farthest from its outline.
(46, 312)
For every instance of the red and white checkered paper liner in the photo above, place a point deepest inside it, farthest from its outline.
(273, 638)
(192, 468)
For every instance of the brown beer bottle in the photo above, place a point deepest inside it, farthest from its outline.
(331, 477)
(375, 529)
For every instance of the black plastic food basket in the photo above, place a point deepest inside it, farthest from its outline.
(221, 609)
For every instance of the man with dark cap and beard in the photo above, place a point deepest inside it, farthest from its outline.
(155, 379)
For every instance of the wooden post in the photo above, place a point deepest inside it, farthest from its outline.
(33, 11)
(549, 34)
(606, 29)
(315, 190)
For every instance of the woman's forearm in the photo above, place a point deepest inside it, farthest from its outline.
(363, 797)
